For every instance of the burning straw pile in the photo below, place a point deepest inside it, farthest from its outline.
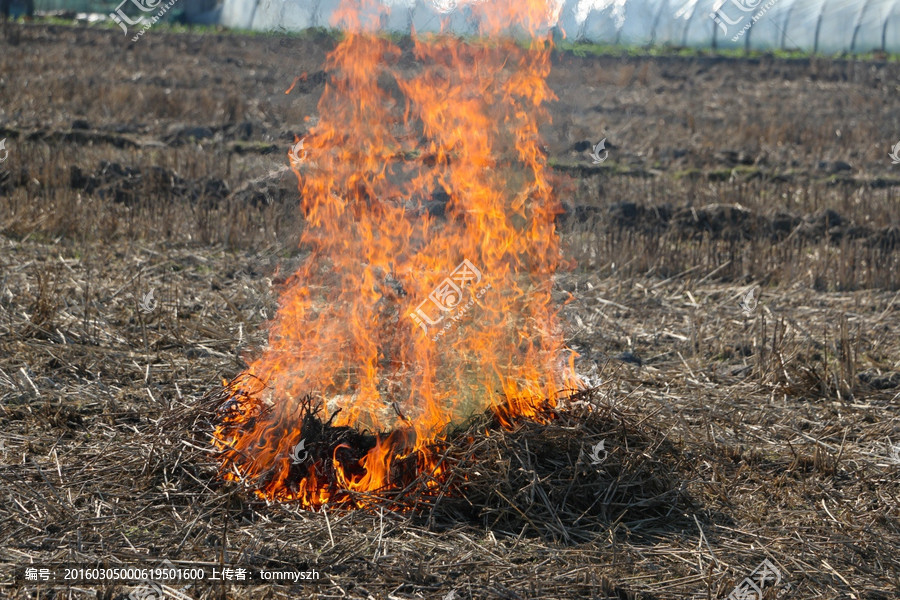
(564, 478)
(403, 318)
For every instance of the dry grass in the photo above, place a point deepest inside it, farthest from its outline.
(740, 436)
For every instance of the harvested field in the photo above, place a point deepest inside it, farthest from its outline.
(733, 293)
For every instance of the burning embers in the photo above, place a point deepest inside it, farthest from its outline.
(404, 318)
(327, 463)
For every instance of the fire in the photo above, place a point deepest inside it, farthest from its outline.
(426, 292)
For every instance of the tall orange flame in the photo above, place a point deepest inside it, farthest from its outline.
(426, 293)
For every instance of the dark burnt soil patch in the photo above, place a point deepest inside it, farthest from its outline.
(732, 222)
(129, 185)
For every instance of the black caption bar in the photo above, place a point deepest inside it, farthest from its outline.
(157, 576)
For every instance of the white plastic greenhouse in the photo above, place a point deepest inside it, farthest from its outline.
(826, 26)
